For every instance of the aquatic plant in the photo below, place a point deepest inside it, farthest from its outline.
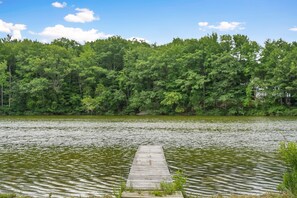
(288, 153)
(169, 188)
(12, 195)
(179, 180)
(8, 195)
(118, 193)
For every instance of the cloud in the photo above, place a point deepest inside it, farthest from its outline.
(223, 26)
(83, 15)
(77, 34)
(59, 5)
(203, 24)
(13, 29)
(293, 29)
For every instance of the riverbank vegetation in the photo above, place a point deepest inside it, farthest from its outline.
(12, 196)
(213, 75)
(170, 188)
(288, 152)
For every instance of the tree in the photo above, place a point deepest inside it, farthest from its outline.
(228, 74)
(172, 100)
(3, 79)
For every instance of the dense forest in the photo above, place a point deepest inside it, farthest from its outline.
(213, 75)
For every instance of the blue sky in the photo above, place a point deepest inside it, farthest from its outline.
(156, 21)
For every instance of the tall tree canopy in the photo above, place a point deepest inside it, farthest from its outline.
(213, 75)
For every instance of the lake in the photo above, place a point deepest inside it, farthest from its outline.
(85, 155)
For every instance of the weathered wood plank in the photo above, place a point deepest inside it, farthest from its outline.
(149, 168)
(146, 194)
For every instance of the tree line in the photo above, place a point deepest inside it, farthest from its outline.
(213, 75)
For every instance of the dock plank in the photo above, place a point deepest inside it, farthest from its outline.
(147, 194)
(149, 168)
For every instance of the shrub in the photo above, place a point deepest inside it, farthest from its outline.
(179, 181)
(169, 188)
(288, 153)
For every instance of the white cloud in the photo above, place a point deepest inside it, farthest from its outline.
(223, 26)
(59, 5)
(13, 29)
(83, 15)
(293, 29)
(78, 34)
(203, 24)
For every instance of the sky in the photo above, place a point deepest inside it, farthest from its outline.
(155, 21)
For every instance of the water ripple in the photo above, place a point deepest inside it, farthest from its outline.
(81, 157)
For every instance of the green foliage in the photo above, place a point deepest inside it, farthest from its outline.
(118, 193)
(289, 184)
(213, 75)
(157, 193)
(166, 188)
(169, 188)
(288, 152)
(3, 72)
(89, 104)
(8, 196)
(13, 196)
(179, 180)
(172, 100)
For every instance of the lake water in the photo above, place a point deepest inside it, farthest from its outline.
(82, 156)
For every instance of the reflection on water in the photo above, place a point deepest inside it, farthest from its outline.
(64, 171)
(72, 157)
(226, 171)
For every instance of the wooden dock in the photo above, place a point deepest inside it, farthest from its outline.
(149, 169)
